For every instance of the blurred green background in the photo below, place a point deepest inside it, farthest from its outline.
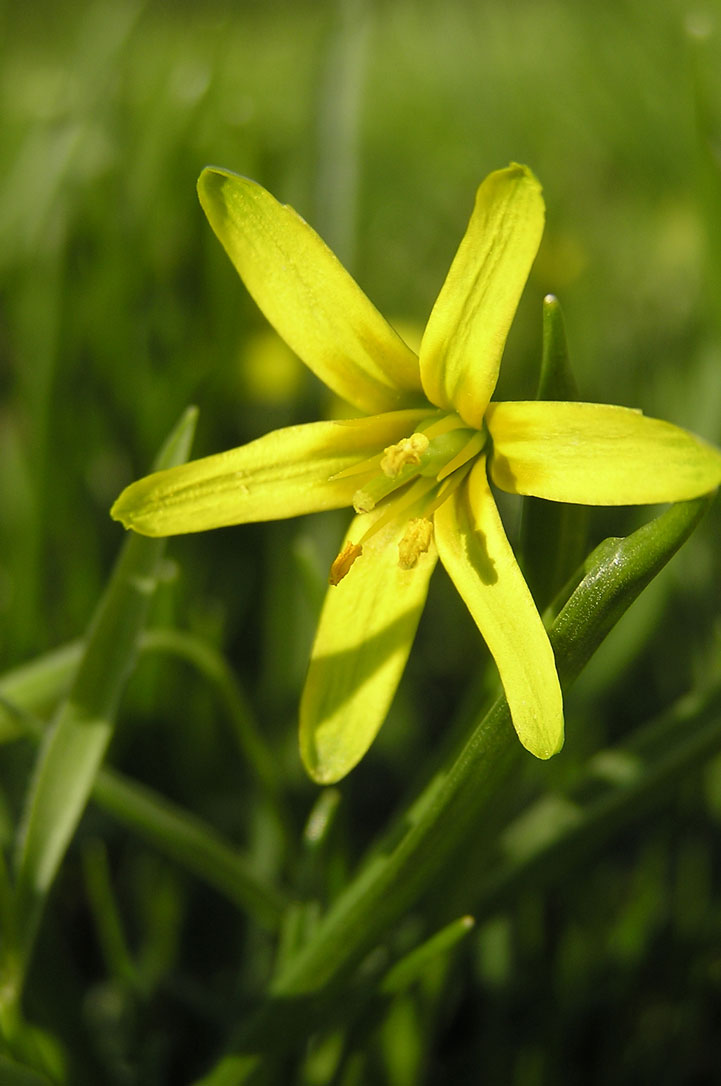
(376, 121)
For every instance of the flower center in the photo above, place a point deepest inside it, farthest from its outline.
(421, 471)
(436, 449)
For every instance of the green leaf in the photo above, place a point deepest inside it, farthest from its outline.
(556, 380)
(37, 686)
(14, 1074)
(553, 534)
(616, 572)
(69, 759)
(413, 854)
(412, 966)
(193, 845)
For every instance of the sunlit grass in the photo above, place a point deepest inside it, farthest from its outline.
(118, 309)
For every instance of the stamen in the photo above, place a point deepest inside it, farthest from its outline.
(366, 498)
(407, 451)
(358, 467)
(434, 427)
(418, 455)
(448, 485)
(415, 542)
(413, 495)
(472, 447)
(343, 562)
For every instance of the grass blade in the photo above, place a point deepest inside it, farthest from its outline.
(73, 752)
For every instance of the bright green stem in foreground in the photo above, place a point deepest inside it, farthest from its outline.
(73, 752)
(409, 859)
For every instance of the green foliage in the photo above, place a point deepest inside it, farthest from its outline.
(194, 909)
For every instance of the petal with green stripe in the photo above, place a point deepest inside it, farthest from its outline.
(466, 332)
(366, 629)
(308, 296)
(472, 546)
(597, 454)
(284, 474)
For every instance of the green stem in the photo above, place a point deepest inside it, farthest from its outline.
(192, 843)
(71, 755)
(637, 783)
(196, 847)
(426, 837)
(214, 667)
(37, 687)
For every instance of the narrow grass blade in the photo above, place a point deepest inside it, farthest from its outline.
(553, 534)
(192, 843)
(14, 1074)
(69, 759)
(405, 863)
(412, 967)
(624, 782)
(36, 687)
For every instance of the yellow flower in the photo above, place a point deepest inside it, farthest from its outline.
(417, 468)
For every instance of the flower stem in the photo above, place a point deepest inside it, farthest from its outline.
(425, 838)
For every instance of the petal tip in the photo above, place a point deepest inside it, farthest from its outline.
(132, 515)
(119, 511)
(545, 746)
(323, 771)
(519, 169)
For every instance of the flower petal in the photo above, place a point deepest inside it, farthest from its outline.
(466, 333)
(308, 296)
(597, 454)
(365, 633)
(473, 548)
(284, 474)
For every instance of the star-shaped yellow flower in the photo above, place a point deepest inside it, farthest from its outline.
(417, 468)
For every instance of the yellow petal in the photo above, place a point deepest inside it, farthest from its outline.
(283, 474)
(366, 629)
(597, 454)
(308, 296)
(473, 548)
(466, 333)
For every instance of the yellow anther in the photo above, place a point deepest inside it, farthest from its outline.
(407, 451)
(343, 562)
(415, 542)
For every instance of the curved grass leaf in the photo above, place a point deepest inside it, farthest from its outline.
(429, 833)
(75, 746)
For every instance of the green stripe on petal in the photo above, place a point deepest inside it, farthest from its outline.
(474, 550)
(597, 454)
(366, 629)
(308, 296)
(284, 474)
(466, 333)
